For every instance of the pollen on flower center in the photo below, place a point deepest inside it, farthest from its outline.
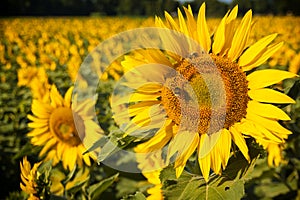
(62, 126)
(208, 88)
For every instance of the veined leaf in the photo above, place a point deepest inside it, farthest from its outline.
(97, 189)
(230, 185)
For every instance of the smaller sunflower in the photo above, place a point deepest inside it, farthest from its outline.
(29, 177)
(54, 128)
(37, 80)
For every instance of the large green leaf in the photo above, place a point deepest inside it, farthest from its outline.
(229, 185)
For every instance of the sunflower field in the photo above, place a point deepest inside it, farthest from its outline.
(47, 151)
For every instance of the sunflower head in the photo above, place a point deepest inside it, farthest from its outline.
(55, 128)
(210, 100)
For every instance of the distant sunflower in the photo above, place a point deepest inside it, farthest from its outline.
(37, 80)
(248, 109)
(29, 178)
(54, 129)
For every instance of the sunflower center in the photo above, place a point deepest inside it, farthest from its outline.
(221, 93)
(63, 127)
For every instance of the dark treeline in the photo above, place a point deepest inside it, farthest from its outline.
(139, 7)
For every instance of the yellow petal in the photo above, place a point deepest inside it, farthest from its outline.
(176, 44)
(240, 37)
(233, 14)
(38, 131)
(60, 148)
(267, 77)
(181, 144)
(134, 109)
(37, 120)
(157, 56)
(267, 110)
(158, 141)
(149, 88)
(240, 142)
(250, 55)
(48, 146)
(70, 156)
(229, 29)
(266, 134)
(182, 24)
(137, 97)
(172, 23)
(267, 54)
(224, 146)
(179, 171)
(191, 23)
(86, 158)
(41, 140)
(144, 118)
(41, 110)
(274, 156)
(269, 96)
(208, 143)
(130, 62)
(269, 124)
(215, 160)
(56, 98)
(37, 125)
(182, 159)
(204, 162)
(247, 127)
(68, 97)
(202, 29)
(219, 37)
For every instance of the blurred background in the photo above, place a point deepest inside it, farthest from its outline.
(58, 45)
(140, 7)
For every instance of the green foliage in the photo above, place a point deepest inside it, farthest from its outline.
(97, 189)
(136, 196)
(14, 105)
(229, 185)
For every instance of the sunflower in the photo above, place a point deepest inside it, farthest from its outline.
(37, 80)
(29, 178)
(211, 127)
(54, 128)
(36, 182)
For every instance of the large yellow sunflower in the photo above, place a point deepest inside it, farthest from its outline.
(54, 128)
(248, 110)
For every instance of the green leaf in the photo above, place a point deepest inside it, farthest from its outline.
(107, 149)
(97, 189)
(230, 185)
(128, 186)
(136, 196)
(78, 181)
